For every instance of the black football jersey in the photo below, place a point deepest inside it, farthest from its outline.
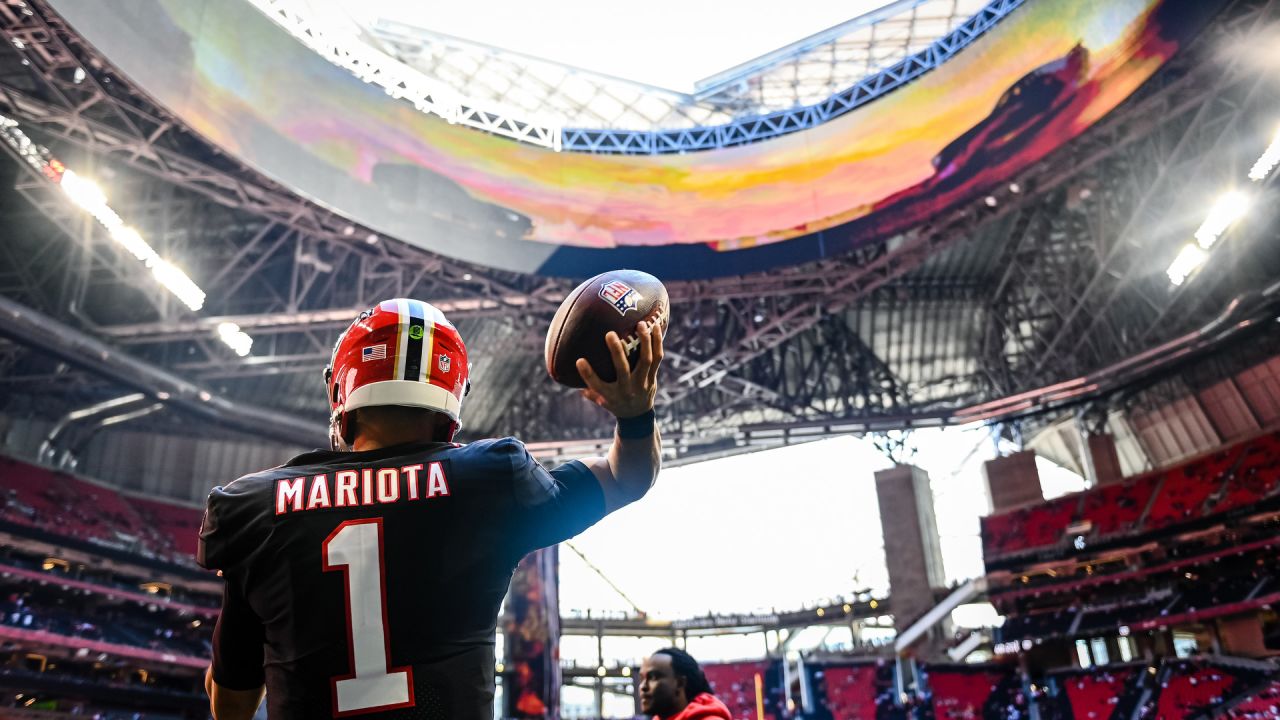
(370, 582)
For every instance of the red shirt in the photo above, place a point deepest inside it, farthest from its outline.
(703, 707)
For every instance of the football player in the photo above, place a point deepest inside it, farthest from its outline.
(673, 687)
(366, 579)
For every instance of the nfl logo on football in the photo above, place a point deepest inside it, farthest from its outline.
(621, 296)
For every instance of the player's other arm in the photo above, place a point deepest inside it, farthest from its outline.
(227, 704)
(235, 680)
(635, 456)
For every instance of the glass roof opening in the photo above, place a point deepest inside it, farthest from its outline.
(670, 44)
(661, 65)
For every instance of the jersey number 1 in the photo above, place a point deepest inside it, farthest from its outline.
(355, 548)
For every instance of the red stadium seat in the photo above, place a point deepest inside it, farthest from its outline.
(735, 685)
(1094, 696)
(961, 695)
(1029, 528)
(1190, 688)
(1258, 705)
(851, 692)
(1117, 508)
(1256, 476)
(178, 525)
(1235, 477)
(72, 507)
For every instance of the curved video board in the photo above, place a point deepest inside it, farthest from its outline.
(1035, 81)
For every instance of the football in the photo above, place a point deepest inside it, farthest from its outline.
(617, 300)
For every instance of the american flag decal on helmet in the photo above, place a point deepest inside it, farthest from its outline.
(373, 352)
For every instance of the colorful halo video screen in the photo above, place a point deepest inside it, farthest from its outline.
(1038, 79)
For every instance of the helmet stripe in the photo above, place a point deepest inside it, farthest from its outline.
(427, 312)
(402, 312)
(417, 334)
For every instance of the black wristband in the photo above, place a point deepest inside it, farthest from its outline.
(638, 427)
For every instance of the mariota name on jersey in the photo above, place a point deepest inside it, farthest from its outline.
(356, 488)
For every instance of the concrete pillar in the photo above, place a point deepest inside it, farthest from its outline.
(1013, 481)
(1103, 459)
(913, 551)
(600, 664)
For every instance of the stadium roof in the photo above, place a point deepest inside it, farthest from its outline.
(1056, 276)
(668, 65)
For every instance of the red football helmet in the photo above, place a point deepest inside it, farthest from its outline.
(401, 352)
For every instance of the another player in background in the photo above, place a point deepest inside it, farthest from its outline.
(367, 579)
(673, 687)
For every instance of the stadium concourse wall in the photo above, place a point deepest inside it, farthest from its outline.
(1034, 81)
(1180, 419)
(177, 467)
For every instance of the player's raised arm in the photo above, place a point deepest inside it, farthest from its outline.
(636, 453)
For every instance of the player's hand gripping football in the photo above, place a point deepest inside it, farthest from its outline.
(633, 392)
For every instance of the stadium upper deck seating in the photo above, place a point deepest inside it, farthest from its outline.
(1256, 475)
(1116, 508)
(1032, 527)
(1238, 476)
(1185, 489)
(178, 527)
(65, 505)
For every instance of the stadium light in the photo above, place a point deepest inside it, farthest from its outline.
(85, 193)
(88, 196)
(235, 338)
(1268, 161)
(1228, 208)
(1187, 262)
